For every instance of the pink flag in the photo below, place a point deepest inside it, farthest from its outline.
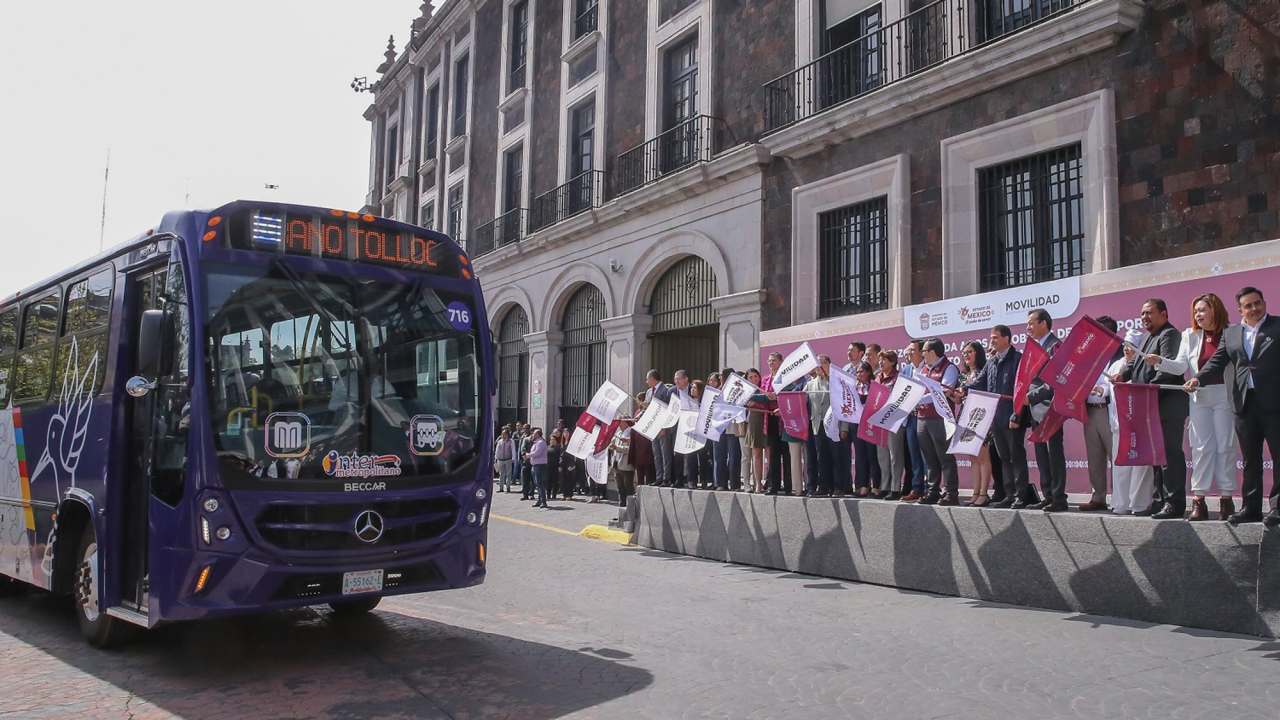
(794, 407)
(1074, 369)
(877, 397)
(1033, 358)
(1048, 427)
(1141, 437)
(606, 435)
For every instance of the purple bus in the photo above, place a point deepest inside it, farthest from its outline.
(257, 407)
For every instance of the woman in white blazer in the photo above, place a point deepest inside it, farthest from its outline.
(1213, 431)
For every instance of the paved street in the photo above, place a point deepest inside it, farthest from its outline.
(571, 627)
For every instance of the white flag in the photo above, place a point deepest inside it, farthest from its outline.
(799, 363)
(845, 402)
(904, 396)
(596, 467)
(707, 427)
(674, 406)
(976, 417)
(831, 425)
(938, 394)
(606, 402)
(582, 443)
(737, 391)
(650, 422)
(687, 439)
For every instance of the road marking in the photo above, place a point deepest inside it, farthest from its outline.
(533, 524)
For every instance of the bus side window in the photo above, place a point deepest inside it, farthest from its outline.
(173, 402)
(82, 359)
(8, 344)
(34, 369)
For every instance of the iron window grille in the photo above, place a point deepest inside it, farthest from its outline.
(519, 44)
(584, 351)
(1031, 219)
(513, 367)
(460, 75)
(853, 258)
(586, 19)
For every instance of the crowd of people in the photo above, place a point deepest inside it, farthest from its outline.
(1218, 379)
(540, 466)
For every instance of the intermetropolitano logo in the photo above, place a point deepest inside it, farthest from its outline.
(361, 466)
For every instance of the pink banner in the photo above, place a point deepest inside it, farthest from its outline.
(794, 407)
(1052, 423)
(1073, 371)
(877, 398)
(1033, 358)
(1141, 437)
(606, 435)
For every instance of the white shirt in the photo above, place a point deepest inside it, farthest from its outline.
(1251, 336)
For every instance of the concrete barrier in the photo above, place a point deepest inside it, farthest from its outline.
(1206, 575)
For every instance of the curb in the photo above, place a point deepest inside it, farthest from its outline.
(600, 532)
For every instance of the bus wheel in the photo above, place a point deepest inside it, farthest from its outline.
(355, 607)
(101, 630)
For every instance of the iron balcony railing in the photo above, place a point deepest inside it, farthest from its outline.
(587, 21)
(696, 140)
(504, 230)
(933, 34)
(580, 194)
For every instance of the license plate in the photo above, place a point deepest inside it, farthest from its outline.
(362, 581)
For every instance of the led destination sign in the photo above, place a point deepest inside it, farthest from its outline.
(339, 236)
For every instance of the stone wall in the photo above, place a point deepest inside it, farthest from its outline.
(487, 68)
(1198, 141)
(746, 58)
(1207, 575)
(626, 56)
(545, 63)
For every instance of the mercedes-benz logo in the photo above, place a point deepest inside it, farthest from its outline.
(369, 526)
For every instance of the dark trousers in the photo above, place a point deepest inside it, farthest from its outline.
(997, 470)
(644, 474)
(526, 480)
(1012, 448)
(728, 462)
(867, 464)
(820, 451)
(626, 481)
(915, 456)
(779, 475)
(1254, 427)
(1052, 462)
(1171, 480)
(944, 473)
(540, 478)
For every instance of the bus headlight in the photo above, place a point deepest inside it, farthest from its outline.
(472, 518)
(211, 505)
(481, 494)
(204, 530)
(224, 533)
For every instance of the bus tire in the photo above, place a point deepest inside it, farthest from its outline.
(101, 630)
(354, 607)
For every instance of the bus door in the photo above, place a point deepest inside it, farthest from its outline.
(144, 292)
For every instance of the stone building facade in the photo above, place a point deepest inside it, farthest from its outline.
(656, 183)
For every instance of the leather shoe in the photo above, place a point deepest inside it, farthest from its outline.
(1199, 510)
(1170, 512)
(1226, 508)
(1040, 505)
(1004, 504)
(1272, 519)
(1056, 506)
(1094, 506)
(911, 497)
(1244, 516)
(949, 500)
(1020, 504)
(1152, 510)
(930, 499)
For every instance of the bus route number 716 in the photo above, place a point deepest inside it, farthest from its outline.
(459, 316)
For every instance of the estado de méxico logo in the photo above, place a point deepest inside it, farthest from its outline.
(361, 466)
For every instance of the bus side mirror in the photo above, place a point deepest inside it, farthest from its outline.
(151, 342)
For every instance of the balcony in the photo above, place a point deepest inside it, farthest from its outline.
(941, 53)
(580, 194)
(504, 230)
(696, 140)
(587, 22)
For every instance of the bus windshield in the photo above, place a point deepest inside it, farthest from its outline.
(347, 382)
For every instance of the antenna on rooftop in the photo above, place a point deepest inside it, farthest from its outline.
(102, 229)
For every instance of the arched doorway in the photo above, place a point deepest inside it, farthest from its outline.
(584, 351)
(686, 330)
(513, 367)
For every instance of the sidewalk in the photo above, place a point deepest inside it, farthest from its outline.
(570, 516)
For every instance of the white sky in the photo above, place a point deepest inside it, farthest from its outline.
(200, 101)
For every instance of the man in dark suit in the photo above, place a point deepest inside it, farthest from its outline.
(1051, 460)
(998, 377)
(1248, 361)
(1163, 339)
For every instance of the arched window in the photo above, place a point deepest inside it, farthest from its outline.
(584, 351)
(686, 329)
(513, 367)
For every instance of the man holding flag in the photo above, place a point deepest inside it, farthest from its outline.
(1051, 460)
(932, 430)
(997, 378)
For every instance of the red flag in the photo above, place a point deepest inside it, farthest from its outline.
(1141, 437)
(606, 435)
(1048, 427)
(1033, 358)
(794, 407)
(877, 397)
(1074, 368)
(587, 422)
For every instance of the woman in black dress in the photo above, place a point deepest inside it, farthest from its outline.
(555, 455)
